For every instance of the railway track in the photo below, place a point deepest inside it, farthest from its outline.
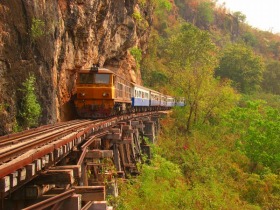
(25, 135)
(17, 145)
(18, 150)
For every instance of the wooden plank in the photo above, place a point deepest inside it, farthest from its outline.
(117, 158)
(13, 180)
(35, 191)
(22, 174)
(97, 154)
(38, 165)
(122, 141)
(63, 176)
(31, 169)
(76, 169)
(99, 205)
(114, 136)
(5, 184)
(91, 193)
(107, 153)
(73, 202)
(94, 154)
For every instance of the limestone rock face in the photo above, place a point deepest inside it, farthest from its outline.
(55, 39)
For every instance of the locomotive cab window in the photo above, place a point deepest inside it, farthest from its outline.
(102, 78)
(94, 78)
(86, 78)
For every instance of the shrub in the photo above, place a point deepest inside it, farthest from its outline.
(137, 55)
(37, 28)
(30, 109)
(137, 16)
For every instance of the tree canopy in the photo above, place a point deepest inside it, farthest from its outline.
(271, 76)
(241, 65)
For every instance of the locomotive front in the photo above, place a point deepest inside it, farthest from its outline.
(95, 93)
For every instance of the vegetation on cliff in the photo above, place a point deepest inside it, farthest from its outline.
(222, 150)
(30, 109)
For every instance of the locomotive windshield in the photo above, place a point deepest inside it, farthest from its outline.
(94, 78)
(102, 78)
(86, 78)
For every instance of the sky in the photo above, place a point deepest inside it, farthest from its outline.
(261, 14)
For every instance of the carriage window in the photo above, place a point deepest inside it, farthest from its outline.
(86, 78)
(146, 95)
(102, 78)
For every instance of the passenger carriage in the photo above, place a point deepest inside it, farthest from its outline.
(170, 101)
(163, 100)
(155, 99)
(140, 97)
(181, 102)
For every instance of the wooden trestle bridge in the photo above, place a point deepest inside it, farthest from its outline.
(75, 164)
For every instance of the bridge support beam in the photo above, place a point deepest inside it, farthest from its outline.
(149, 131)
(74, 202)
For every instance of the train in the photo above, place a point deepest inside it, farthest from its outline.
(102, 93)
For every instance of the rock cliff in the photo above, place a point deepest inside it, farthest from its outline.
(55, 39)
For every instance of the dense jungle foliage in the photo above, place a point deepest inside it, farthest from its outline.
(221, 151)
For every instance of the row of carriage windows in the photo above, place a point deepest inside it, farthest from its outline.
(141, 94)
(122, 90)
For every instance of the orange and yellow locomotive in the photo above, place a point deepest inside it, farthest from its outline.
(101, 93)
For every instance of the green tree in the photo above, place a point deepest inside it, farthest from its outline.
(242, 66)
(30, 109)
(258, 128)
(190, 58)
(271, 78)
(239, 16)
(152, 70)
(205, 13)
(250, 39)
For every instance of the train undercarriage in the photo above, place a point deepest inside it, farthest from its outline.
(103, 110)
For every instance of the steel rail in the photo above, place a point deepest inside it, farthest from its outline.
(30, 134)
(51, 201)
(20, 149)
(24, 160)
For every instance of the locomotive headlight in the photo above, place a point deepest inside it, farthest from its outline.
(105, 94)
